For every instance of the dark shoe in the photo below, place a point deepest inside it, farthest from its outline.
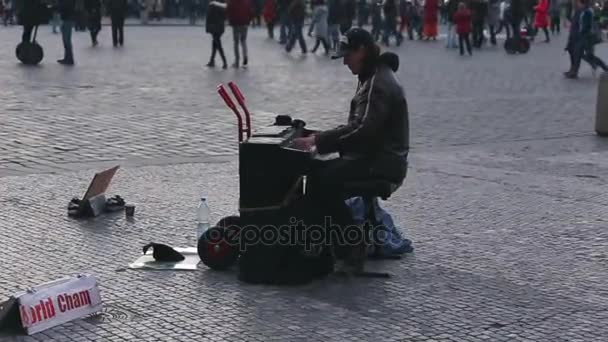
(245, 60)
(65, 62)
(225, 66)
(235, 65)
(211, 65)
(570, 75)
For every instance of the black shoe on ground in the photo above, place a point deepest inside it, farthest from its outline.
(211, 65)
(245, 61)
(65, 62)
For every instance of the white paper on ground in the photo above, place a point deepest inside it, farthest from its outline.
(189, 264)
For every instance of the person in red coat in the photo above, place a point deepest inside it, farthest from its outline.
(239, 14)
(270, 16)
(541, 17)
(462, 20)
(431, 11)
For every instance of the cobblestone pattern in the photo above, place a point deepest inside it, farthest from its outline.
(496, 259)
(148, 103)
(506, 199)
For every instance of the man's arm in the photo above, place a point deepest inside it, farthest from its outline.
(375, 110)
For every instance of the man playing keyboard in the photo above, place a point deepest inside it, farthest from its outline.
(374, 143)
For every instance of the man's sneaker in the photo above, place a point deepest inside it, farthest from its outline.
(245, 61)
(65, 62)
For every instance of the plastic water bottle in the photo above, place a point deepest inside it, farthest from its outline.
(202, 218)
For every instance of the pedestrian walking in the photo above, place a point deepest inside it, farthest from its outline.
(349, 8)
(257, 8)
(479, 12)
(431, 8)
(270, 16)
(215, 26)
(463, 23)
(55, 17)
(555, 14)
(80, 16)
(452, 8)
(321, 29)
(376, 12)
(493, 19)
(297, 15)
(362, 13)
(334, 17)
(516, 13)
(7, 12)
(582, 40)
(505, 18)
(239, 15)
(67, 11)
(93, 8)
(541, 18)
(283, 10)
(390, 10)
(311, 27)
(118, 10)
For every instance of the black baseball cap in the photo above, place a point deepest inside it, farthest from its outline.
(352, 40)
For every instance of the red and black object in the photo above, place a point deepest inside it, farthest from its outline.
(218, 248)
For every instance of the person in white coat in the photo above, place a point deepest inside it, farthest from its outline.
(319, 20)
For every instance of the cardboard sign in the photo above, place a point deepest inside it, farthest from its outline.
(53, 303)
(100, 183)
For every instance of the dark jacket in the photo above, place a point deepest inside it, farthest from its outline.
(216, 18)
(297, 12)
(93, 8)
(390, 10)
(30, 12)
(239, 12)
(117, 7)
(479, 11)
(378, 123)
(349, 9)
(335, 12)
(67, 9)
(516, 10)
(452, 9)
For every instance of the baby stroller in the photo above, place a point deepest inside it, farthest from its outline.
(30, 53)
(512, 46)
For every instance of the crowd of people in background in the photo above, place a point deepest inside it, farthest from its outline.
(470, 24)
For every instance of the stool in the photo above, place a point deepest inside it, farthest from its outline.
(369, 190)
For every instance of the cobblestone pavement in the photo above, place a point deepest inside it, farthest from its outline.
(506, 199)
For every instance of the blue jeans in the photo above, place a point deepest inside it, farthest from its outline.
(66, 35)
(284, 23)
(55, 21)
